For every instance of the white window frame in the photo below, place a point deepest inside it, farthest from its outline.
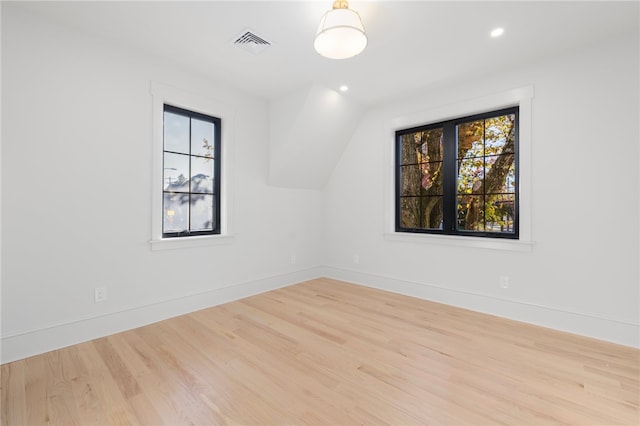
(521, 97)
(164, 94)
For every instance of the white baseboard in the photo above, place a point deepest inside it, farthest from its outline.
(606, 329)
(34, 342)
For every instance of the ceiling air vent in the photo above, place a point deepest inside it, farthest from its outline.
(252, 43)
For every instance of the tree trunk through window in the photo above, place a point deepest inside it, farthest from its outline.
(472, 212)
(421, 182)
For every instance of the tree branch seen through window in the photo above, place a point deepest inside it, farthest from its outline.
(459, 177)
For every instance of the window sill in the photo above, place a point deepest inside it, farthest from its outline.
(471, 242)
(189, 242)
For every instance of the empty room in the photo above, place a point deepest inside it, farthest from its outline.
(320, 212)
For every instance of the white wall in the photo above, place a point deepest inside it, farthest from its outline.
(76, 141)
(76, 195)
(309, 129)
(581, 274)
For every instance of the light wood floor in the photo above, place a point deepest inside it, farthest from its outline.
(328, 353)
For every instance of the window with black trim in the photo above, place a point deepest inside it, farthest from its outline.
(459, 177)
(191, 173)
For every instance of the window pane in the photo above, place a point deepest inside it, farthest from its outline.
(176, 212)
(202, 175)
(422, 146)
(470, 213)
(421, 212)
(421, 179)
(431, 145)
(500, 174)
(470, 176)
(176, 172)
(510, 179)
(410, 180)
(201, 138)
(500, 213)
(471, 139)
(499, 134)
(176, 133)
(201, 212)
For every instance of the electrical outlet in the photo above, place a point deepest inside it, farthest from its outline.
(293, 259)
(356, 259)
(504, 281)
(100, 294)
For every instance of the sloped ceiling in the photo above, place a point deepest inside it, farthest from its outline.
(309, 130)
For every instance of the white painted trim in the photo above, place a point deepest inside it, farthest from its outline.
(188, 242)
(522, 97)
(161, 94)
(608, 329)
(27, 343)
(458, 241)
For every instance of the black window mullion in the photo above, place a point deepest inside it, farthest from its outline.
(398, 161)
(484, 175)
(450, 171)
(189, 177)
(516, 153)
(217, 173)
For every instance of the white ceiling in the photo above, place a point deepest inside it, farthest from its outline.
(416, 44)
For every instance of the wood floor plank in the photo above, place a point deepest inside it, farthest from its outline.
(106, 403)
(14, 406)
(325, 352)
(35, 389)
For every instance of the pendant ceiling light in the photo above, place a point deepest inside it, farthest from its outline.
(341, 33)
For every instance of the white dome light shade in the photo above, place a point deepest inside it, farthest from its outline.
(340, 34)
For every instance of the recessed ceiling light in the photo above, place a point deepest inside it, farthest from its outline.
(344, 88)
(497, 32)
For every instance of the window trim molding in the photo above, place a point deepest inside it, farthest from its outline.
(164, 94)
(521, 97)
